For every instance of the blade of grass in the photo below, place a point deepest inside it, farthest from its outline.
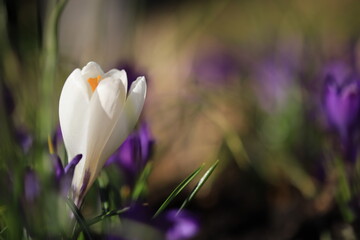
(177, 190)
(199, 185)
(106, 215)
(343, 194)
(79, 218)
(103, 216)
(141, 185)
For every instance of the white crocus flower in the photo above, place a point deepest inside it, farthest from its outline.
(96, 115)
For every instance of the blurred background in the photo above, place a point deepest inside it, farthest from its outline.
(245, 82)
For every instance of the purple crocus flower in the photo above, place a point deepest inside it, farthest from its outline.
(342, 104)
(341, 100)
(134, 153)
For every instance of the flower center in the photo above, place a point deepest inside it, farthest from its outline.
(94, 82)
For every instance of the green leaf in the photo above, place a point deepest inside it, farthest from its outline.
(199, 184)
(81, 237)
(141, 183)
(343, 187)
(79, 218)
(177, 190)
(106, 215)
(101, 217)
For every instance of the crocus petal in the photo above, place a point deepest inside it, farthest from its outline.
(128, 117)
(183, 225)
(71, 166)
(342, 105)
(147, 142)
(129, 159)
(73, 105)
(118, 74)
(57, 165)
(57, 137)
(91, 70)
(105, 107)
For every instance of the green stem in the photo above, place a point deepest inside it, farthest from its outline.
(49, 63)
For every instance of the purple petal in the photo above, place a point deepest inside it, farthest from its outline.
(57, 137)
(66, 179)
(342, 104)
(174, 225)
(58, 166)
(130, 153)
(177, 226)
(133, 154)
(147, 142)
(127, 157)
(338, 71)
(71, 166)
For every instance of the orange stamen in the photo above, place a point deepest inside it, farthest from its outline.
(94, 82)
